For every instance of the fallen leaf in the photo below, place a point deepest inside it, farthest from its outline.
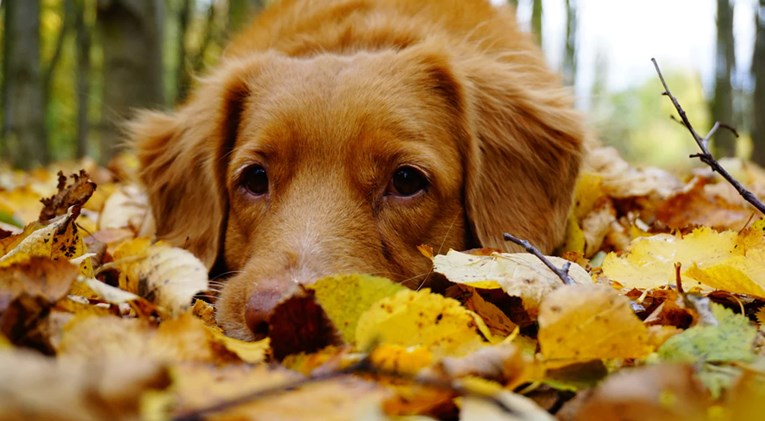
(58, 240)
(299, 324)
(518, 274)
(667, 392)
(589, 322)
(167, 276)
(725, 260)
(345, 297)
(729, 340)
(127, 207)
(37, 387)
(67, 196)
(422, 318)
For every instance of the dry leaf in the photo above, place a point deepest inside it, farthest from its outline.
(589, 322)
(422, 318)
(165, 275)
(518, 274)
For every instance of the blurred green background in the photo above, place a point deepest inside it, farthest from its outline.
(72, 70)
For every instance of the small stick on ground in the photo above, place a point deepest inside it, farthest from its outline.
(562, 273)
(703, 142)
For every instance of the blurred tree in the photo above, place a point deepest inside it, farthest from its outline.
(722, 104)
(183, 74)
(758, 74)
(240, 11)
(83, 46)
(569, 56)
(131, 40)
(23, 95)
(536, 19)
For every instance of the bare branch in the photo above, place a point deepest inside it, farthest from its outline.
(705, 156)
(562, 273)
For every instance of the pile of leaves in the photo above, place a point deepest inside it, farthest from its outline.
(662, 318)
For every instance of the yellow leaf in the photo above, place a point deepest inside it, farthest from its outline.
(732, 275)
(165, 275)
(400, 359)
(650, 261)
(589, 188)
(58, 240)
(590, 322)
(710, 260)
(345, 298)
(249, 352)
(422, 318)
(518, 274)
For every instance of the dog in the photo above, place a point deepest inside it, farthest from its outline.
(337, 136)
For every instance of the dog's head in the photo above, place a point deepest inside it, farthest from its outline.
(286, 169)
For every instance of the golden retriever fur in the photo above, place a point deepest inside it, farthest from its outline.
(326, 101)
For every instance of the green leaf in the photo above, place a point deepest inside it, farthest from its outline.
(729, 341)
(710, 347)
(345, 297)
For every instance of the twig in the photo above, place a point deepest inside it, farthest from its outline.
(364, 366)
(705, 156)
(562, 273)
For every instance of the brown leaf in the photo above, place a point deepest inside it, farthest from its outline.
(28, 290)
(699, 205)
(299, 324)
(497, 321)
(75, 194)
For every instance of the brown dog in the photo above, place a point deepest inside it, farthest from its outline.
(338, 135)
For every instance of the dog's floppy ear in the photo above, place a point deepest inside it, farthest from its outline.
(183, 160)
(524, 153)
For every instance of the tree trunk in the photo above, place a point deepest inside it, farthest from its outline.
(569, 56)
(183, 75)
(83, 43)
(24, 117)
(758, 73)
(131, 38)
(722, 104)
(536, 20)
(241, 11)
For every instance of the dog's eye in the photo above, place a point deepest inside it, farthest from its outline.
(406, 182)
(255, 180)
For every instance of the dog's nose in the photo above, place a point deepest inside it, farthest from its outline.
(260, 307)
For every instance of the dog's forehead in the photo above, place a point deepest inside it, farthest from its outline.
(346, 99)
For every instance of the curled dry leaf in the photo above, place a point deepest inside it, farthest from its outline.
(421, 318)
(621, 180)
(167, 276)
(58, 240)
(67, 196)
(589, 322)
(127, 207)
(518, 274)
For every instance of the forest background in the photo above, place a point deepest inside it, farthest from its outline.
(73, 70)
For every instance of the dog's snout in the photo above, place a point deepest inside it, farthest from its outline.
(260, 306)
